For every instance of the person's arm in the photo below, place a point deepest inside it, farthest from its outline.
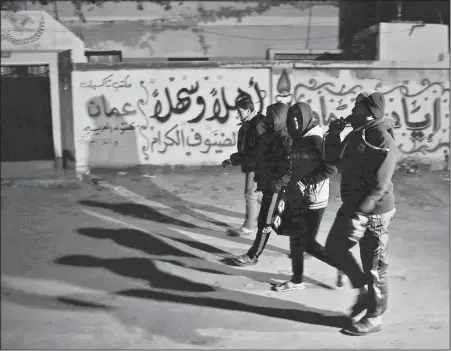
(332, 141)
(323, 171)
(379, 168)
(249, 152)
(282, 173)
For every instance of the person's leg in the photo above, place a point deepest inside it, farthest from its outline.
(373, 252)
(268, 206)
(313, 247)
(374, 261)
(297, 248)
(337, 248)
(267, 209)
(252, 204)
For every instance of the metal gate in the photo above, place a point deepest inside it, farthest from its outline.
(26, 129)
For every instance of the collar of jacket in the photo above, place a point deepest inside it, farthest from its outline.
(370, 124)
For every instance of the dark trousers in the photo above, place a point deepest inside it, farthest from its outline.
(305, 241)
(373, 254)
(267, 209)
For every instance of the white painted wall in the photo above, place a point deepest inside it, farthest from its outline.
(142, 116)
(418, 99)
(124, 133)
(404, 42)
(44, 58)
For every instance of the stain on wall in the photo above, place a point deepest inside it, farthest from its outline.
(161, 116)
(207, 28)
(420, 105)
(38, 30)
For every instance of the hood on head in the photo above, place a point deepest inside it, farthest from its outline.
(383, 124)
(300, 119)
(375, 102)
(276, 115)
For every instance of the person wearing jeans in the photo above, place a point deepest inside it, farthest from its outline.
(366, 159)
(253, 201)
(248, 136)
(272, 174)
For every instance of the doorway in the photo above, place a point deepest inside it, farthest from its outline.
(26, 115)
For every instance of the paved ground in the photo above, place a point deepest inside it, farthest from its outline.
(85, 268)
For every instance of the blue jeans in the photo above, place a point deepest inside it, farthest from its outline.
(373, 253)
(253, 200)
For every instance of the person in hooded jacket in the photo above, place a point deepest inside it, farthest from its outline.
(366, 160)
(308, 191)
(272, 174)
(248, 135)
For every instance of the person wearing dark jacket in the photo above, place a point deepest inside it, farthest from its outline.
(308, 191)
(250, 131)
(273, 173)
(366, 160)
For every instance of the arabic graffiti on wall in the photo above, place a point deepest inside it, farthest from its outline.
(162, 116)
(420, 107)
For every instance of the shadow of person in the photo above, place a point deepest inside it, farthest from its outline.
(61, 303)
(138, 211)
(166, 286)
(153, 192)
(138, 268)
(145, 269)
(141, 241)
(146, 212)
(240, 301)
(151, 245)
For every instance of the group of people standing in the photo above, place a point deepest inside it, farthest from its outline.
(287, 164)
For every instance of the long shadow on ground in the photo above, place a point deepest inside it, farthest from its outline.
(156, 193)
(147, 213)
(164, 286)
(153, 192)
(158, 249)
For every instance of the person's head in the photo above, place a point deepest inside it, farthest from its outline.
(276, 117)
(367, 106)
(300, 120)
(245, 108)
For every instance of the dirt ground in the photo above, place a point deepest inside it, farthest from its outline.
(140, 265)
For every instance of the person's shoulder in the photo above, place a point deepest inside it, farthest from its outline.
(379, 137)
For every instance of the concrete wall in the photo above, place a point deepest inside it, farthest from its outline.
(233, 29)
(38, 31)
(127, 115)
(161, 116)
(413, 42)
(417, 99)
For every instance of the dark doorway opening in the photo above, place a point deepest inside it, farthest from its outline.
(26, 115)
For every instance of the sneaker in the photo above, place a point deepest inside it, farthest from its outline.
(289, 286)
(241, 232)
(364, 326)
(244, 260)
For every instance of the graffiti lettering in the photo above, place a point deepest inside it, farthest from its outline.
(95, 110)
(419, 110)
(175, 136)
(107, 82)
(164, 120)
